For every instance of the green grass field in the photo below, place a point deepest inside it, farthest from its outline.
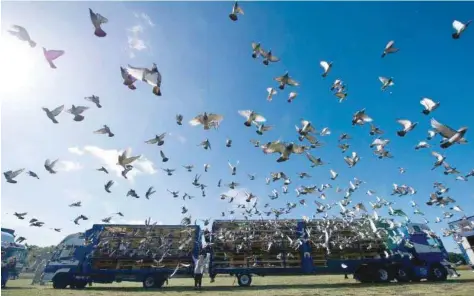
(269, 286)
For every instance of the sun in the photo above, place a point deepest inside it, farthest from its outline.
(17, 66)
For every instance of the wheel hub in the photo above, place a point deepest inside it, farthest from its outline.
(244, 279)
(437, 273)
(383, 274)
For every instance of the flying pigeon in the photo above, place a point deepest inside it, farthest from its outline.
(375, 130)
(206, 120)
(22, 34)
(236, 9)
(158, 140)
(179, 119)
(49, 166)
(77, 111)
(256, 49)
(360, 118)
(205, 144)
(251, 117)
(163, 156)
(429, 105)
(149, 192)
(268, 57)
(422, 144)
(271, 93)
(152, 77)
(326, 67)
(94, 99)
(55, 112)
(333, 174)
(228, 143)
(51, 55)
(105, 130)
(407, 126)
(286, 80)
(386, 82)
(291, 96)
(11, 175)
(389, 48)
(125, 159)
(450, 135)
(97, 21)
(128, 79)
(32, 174)
(459, 28)
(284, 149)
(261, 128)
(102, 169)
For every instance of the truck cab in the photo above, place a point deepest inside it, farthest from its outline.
(66, 257)
(464, 237)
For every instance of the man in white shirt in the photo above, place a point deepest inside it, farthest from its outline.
(199, 265)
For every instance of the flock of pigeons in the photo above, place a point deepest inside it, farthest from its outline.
(307, 140)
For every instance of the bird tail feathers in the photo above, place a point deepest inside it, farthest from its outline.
(99, 32)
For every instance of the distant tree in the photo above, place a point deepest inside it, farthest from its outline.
(456, 258)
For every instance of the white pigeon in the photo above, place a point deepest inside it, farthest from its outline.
(429, 105)
(325, 131)
(236, 9)
(459, 28)
(386, 82)
(151, 76)
(333, 174)
(326, 67)
(450, 135)
(251, 117)
(422, 144)
(206, 120)
(352, 160)
(291, 96)
(271, 92)
(286, 80)
(77, 111)
(407, 126)
(389, 48)
(360, 118)
(53, 113)
(22, 34)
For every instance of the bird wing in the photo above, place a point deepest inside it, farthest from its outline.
(437, 155)
(152, 78)
(404, 122)
(298, 149)
(137, 73)
(457, 25)
(292, 82)
(275, 147)
(324, 65)
(383, 79)
(389, 44)
(427, 103)
(259, 118)
(273, 58)
(162, 154)
(47, 162)
(130, 159)
(245, 113)
(80, 109)
(215, 117)
(196, 120)
(57, 110)
(53, 54)
(16, 173)
(280, 78)
(53, 163)
(101, 131)
(255, 45)
(442, 129)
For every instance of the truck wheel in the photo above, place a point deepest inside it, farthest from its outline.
(437, 273)
(80, 284)
(401, 275)
(381, 274)
(60, 282)
(149, 282)
(362, 274)
(244, 280)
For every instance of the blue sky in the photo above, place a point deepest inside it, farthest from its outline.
(205, 60)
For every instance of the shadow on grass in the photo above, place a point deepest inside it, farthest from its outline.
(352, 285)
(17, 288)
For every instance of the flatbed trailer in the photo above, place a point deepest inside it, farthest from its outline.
(464, 237)
(115, 253)
(369, 260)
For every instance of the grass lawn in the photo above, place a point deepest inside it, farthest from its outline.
(268, 286)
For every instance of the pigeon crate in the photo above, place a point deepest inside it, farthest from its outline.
(104, 264)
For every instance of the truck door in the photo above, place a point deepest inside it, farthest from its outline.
(467, 243)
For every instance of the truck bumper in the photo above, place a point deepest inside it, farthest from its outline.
(47, 277)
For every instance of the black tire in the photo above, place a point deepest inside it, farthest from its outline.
(60, 281)
(244, 280)
(437, 273)
(401, 274)
(149, 282)
(381, 274)
(363, 274)
(80, 284)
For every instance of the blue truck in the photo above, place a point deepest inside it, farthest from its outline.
(464, 237)
(14, 256)
(109, 253)
(419, 255)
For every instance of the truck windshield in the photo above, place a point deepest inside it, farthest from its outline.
(63, 253)
(19, 254)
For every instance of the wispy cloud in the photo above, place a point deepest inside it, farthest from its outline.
(68, 166)
(136, 34)
(75, 150)
(179, 137)
(109, 159)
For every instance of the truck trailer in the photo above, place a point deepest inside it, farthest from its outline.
(244, 248)
(109, 253)
(464, 237)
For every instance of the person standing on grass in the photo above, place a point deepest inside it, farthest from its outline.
(199, 264)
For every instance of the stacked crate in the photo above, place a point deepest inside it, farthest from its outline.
(154, 246)
(249, 245)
